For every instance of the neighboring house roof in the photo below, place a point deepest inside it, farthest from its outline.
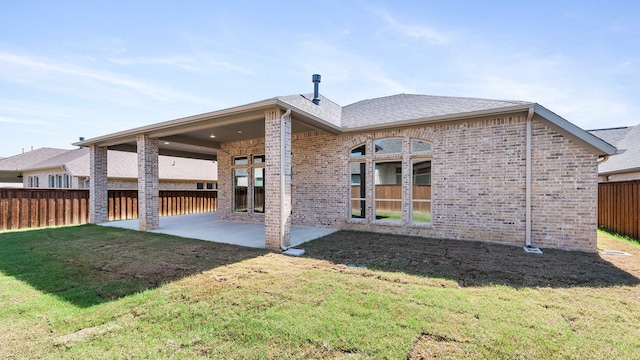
(613, 135)
(389, 111)
(10, 167)
(125, 165)
(29, 158)
(58, 161)
(626, 139)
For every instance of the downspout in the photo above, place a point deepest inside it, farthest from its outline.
(528, 180)
(282, 179)
(602, 159)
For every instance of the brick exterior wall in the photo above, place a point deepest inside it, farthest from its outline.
(277, 218)
(226, 155)
(478, 182)
(320, 180)
(148, 189)
(565, 192)
(98, 195)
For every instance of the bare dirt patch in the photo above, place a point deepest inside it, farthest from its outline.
(475, 263)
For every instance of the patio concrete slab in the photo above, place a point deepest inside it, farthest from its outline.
(206, 226)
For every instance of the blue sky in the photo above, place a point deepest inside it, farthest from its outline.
(89, 68)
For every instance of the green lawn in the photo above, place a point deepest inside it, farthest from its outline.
(98, 292)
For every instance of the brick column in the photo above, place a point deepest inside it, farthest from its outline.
(277, 221)
(148, 215)
(98, 195)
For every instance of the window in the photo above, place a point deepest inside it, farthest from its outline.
(67, 181)
(421, 192)
(199, 186)
(258, 190)
(419, 146)
(209, 186)
(258, 159)
(388, 146)
(52, 181)
(240, 184)
(359, 151)
(389, 163)
(388, 191)
(358, 189)
(240, 160)
(59, 181)
(32, 181)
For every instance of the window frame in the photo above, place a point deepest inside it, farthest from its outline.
(362, 199)
(414, 201)
(388, 159)
(405, 159)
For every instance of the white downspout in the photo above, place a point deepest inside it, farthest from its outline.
(528, 180)
(282, 178)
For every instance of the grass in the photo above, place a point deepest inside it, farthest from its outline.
(97, 292)
(619, 236)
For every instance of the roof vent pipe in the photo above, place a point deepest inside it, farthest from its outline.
(316, 84)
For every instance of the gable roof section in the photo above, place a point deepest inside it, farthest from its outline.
(407, 107)
(326, 111)
(10, 166)
(613, 135)
(629, 160)
(29, 158)
(390, 111)
(58, 161)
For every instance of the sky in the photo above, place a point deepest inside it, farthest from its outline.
(89, 68)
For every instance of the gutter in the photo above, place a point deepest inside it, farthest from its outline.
(283, 213)
(527, 232)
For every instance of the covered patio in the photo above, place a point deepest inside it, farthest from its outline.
(252, 147)
(207, 227)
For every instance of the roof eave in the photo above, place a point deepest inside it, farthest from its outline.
(128, 135)
(40, 168)
(620, 171)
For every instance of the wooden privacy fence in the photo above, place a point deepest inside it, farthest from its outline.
(123, 204)
(32, 208)
(394, 192)
(619, 207)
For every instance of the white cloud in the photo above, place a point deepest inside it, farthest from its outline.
(199, 63)
(9, 120)
(353, 76)
(181, 62)
(43, 73)
(420, 32)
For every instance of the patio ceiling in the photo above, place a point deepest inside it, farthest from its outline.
(200, 136)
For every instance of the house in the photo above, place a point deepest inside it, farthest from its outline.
(510, 172)
(61, 168)
(10, 166)
(623, 166)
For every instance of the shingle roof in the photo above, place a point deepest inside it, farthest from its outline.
(627, 161)
(29, 158)
(403, 107)
(326, 110)
(613, 135)
(59, 160)
(370, 114)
